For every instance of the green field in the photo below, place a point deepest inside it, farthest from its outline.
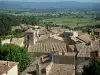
(73, 22)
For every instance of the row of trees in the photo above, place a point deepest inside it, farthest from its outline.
(30, 20)
(87, 28)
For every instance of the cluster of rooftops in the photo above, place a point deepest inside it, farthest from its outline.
(60, 47)
(64, 40)
(63, 45)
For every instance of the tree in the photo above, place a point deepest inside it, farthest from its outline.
(6, 21)
(5, 25)
(17, 31)
(30, 20)
(10, 52)
(93, 68)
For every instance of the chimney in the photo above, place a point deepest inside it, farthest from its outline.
(41, 59)
(38, 69)
(7, 64)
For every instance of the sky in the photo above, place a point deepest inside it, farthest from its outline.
(95, 1)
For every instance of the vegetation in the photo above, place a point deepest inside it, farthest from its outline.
(15, 53)
(30, 20)
(87, 28)
(93, 68)
(85, 23)
(18, 33)
(71, 21)
(6, 21)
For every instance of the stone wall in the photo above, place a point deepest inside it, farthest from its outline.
(60, 59)
(37, 54)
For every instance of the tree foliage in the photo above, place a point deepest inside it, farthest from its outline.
(5, 25)
(92, 69)
(87, 28)
(18, 33)
(6, 21)
(29, 20)
(12, 52)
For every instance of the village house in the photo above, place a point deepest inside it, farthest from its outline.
(8, 68)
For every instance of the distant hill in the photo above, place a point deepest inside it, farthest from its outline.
(63, 4)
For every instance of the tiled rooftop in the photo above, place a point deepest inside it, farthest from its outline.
(84, 50)
(47, 39)
(62, 69)
(85, 38)
(32, 68)
(30, 30)
(48, 47)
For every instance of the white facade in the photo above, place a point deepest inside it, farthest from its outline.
(75, 34)
(12, 71)
(6, 41)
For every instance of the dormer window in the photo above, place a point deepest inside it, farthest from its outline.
(94, 54)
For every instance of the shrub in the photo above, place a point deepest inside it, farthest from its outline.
(10, 52)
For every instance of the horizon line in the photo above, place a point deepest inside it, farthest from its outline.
(50, 1)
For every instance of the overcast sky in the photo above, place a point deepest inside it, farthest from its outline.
(54, 0)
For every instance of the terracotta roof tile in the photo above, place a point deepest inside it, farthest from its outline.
(62, 69)
(48, 47)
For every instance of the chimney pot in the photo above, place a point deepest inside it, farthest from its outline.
(7, 64)
(41, 59)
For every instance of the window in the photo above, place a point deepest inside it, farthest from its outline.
(94, 54)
